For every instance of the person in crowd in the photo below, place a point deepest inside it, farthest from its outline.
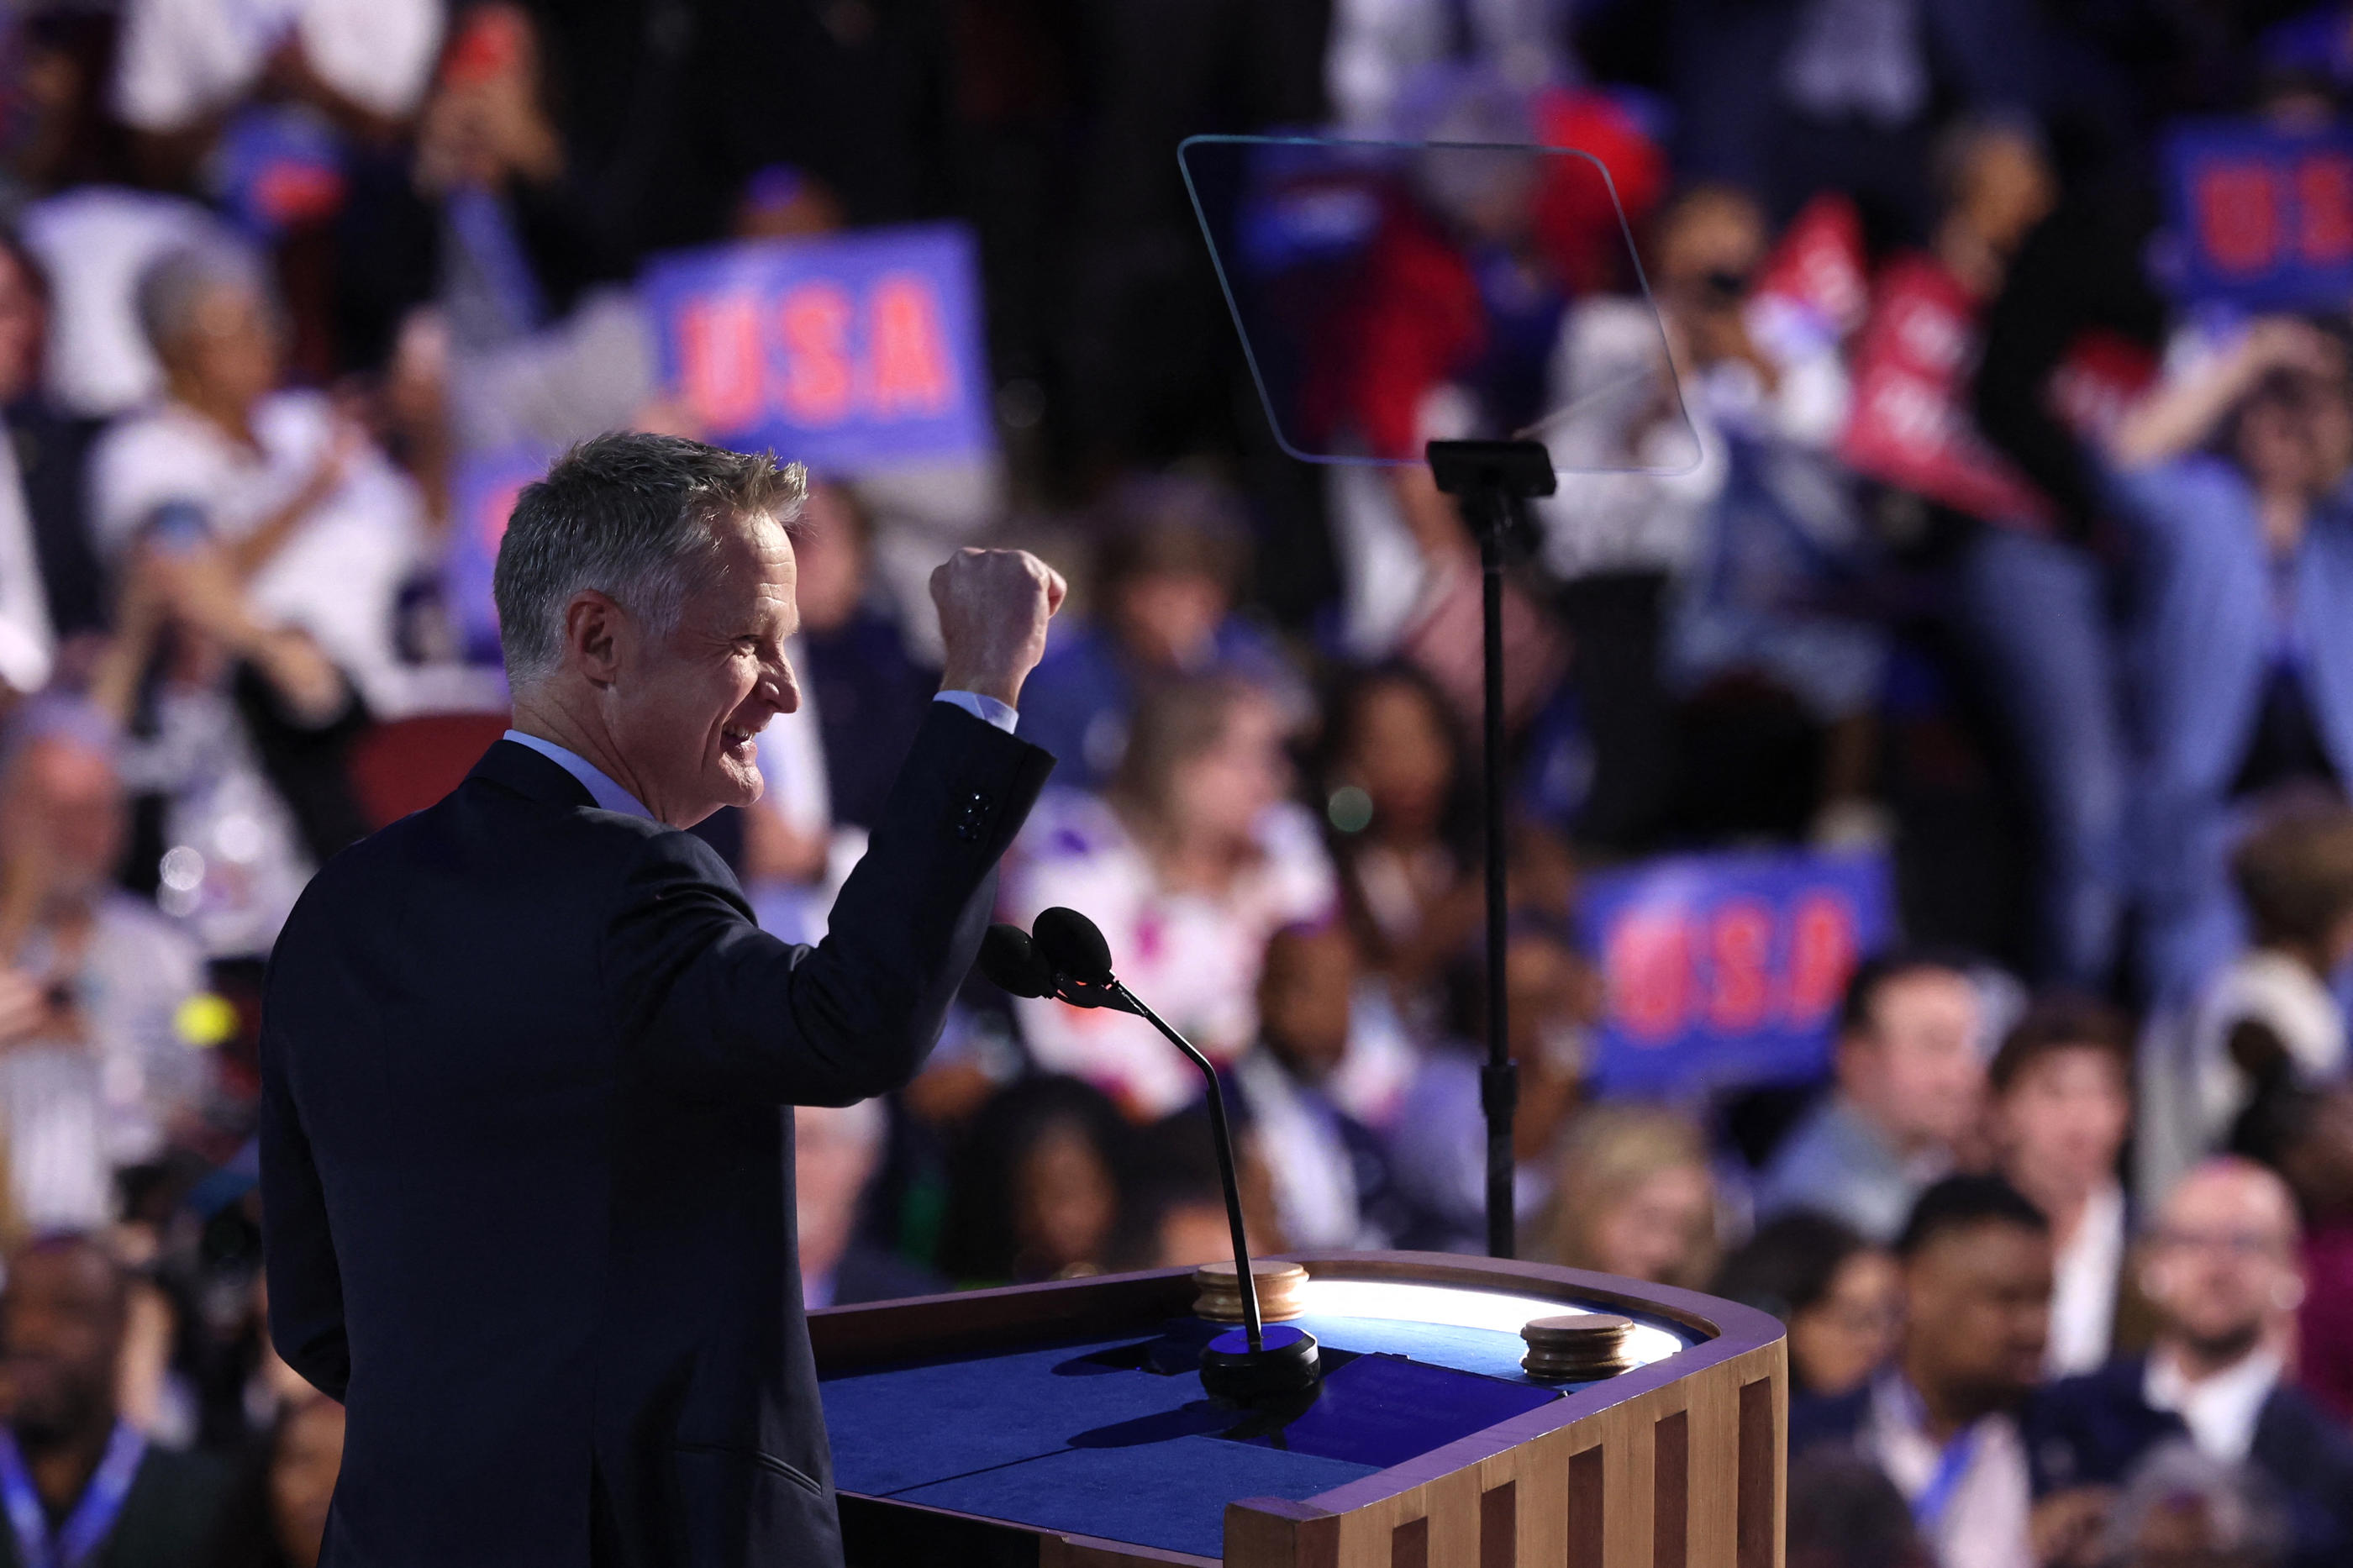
(1189, 861)
(320, 530)
(1172, 553)
(183, 70)
(1907, 1083)
(1328, 1171)
(95, 1073)
(520, 248)
(1620, 539)
(2269, 1023)
(2220, 1269)
(1395, 780)
(837, 1149)
(830, 763)
(1438, 1146)
(1840, 1297)
(2243, 565)
(2039, 604)
(1790, 97)
(70, 1469)
(2062, 1103)
(2313, 1147)
(1942, 1422)
(1040, 1188)
(1845, 1514)
(235, 733)
(44, 504)
(1634, 1197)
(283, 1521)
(1180, 1218)
(867, 691)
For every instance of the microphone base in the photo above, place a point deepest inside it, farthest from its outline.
(1234, 1374)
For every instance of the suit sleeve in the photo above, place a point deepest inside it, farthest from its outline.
(306, 1288)
(710, 1002)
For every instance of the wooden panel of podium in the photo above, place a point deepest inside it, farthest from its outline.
(1061, 1425)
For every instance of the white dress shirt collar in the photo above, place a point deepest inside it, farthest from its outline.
(607, 795)
(2220, 1410)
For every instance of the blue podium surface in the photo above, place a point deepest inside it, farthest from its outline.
(1110, 1436)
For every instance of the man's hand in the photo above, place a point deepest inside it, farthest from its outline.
(994, 606)
(2065, 1526)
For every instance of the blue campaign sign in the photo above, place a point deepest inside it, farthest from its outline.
(850, 352)
(2258, 216)
(482, 497)
(1726, 970)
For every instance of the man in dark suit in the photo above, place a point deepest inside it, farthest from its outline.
(528, 1065)
(2221, 1271)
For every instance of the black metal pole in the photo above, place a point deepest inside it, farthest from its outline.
(1486, 477)
(1499, 1084)
(1223, 1136)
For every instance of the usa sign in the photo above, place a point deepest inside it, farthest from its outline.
(1728, 970)
(850, 352)
(482, 497)
(2260, 217)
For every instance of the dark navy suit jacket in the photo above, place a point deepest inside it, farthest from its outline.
(527, 1163)
(2092, 1430)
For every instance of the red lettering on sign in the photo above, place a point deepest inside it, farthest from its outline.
(497, 510)
(908, 348)
(2236, 208)
(2324, 208)
(1649, 971)
(814, 320)
(719, 360)
(1740, 947)
(1821, 956)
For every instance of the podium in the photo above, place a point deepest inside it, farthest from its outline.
(1063, 1425)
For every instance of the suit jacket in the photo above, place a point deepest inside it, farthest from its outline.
(2092, 1430)
(527, 1162)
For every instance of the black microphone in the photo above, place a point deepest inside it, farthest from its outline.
(1075, 945)
(1011, 961)
(1254, 1364)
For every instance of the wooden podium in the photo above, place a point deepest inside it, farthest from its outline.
(1002, 1427)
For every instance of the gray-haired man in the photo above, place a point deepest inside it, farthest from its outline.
(528, 1065)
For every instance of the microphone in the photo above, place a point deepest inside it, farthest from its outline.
(1012, 963)
(1066, 957)
(1075, 945)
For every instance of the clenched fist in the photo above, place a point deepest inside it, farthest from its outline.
(994, 606)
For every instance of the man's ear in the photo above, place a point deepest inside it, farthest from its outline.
(594, 628)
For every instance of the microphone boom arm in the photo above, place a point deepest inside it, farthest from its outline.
(1127, 1000)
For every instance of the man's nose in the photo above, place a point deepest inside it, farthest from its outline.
(784, 690)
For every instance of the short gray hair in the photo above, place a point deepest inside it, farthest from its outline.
(173, 285)
(635, 518)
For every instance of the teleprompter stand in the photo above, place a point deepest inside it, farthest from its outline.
(1491, 478)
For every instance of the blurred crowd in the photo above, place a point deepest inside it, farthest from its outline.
(2063, 1240)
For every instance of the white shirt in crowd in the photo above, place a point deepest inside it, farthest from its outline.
(28, 640)
(75, 1111)
(182, 61)
(2084, 1287)
(338, 575)
(92, 243)
(1195, 958)
(2220, 1410)
(1971, 1496)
